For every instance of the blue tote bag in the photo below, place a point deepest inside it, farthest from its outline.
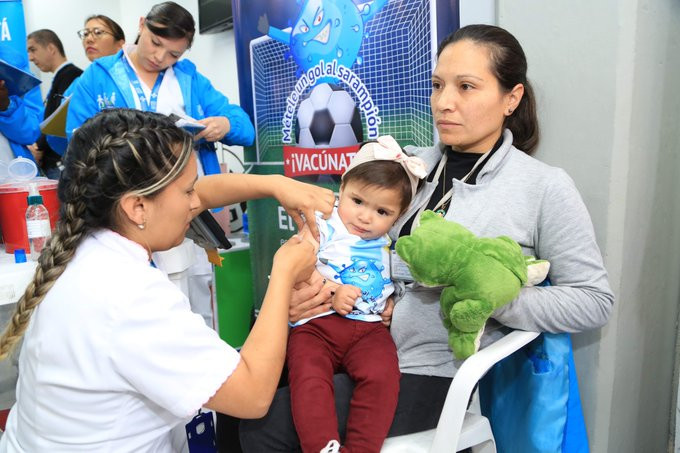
(532, 399)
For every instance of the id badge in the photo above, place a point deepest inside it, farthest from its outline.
(399, 269)
(201, 433)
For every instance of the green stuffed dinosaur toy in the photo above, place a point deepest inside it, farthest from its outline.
(479, 275)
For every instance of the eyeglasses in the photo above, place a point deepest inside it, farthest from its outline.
(96, 33)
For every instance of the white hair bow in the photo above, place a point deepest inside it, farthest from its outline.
(387, 148)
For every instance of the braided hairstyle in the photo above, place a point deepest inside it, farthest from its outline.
(117, 152)
(509, 65)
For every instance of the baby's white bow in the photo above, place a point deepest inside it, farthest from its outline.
(387, 148)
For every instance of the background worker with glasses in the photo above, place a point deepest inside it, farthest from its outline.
(101, 37)
(151, 75)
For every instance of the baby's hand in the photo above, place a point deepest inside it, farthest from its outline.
(386, 314)
(344, 298)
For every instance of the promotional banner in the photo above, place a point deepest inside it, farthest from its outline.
(321, 76)
(13, 32)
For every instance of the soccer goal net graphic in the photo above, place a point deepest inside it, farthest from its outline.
(396, 68)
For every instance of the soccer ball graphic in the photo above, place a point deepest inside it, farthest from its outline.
(328, 118)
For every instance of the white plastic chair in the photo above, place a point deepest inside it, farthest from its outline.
(458, 427)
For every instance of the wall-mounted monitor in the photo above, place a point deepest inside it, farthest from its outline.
(214, 16)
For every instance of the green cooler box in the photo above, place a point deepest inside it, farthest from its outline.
(234, 293)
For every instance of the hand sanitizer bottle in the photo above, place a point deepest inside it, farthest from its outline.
(37, 222)
(246, 227)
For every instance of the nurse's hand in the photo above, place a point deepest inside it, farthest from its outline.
(309, 299)
(216, 127)
(301, 200)
(296, 258)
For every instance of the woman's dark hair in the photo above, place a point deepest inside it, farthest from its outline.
(116, 31)
(171, 21)
(385, 174)
(509, 65)
(117, 152)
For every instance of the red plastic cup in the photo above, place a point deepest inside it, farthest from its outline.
(13, 205)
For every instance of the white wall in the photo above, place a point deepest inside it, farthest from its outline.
(606, 74)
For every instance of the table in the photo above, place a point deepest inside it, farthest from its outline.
(13, 277)
(13, 281)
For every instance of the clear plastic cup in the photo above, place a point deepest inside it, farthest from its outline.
(21, 169)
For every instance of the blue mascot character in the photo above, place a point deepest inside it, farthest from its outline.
(325, 30)
(365, 275)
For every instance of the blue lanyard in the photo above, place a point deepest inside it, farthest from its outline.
(151, 105)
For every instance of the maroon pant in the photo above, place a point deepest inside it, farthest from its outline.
(366, 352)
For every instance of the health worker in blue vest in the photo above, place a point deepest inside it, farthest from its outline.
(20, 116)
(148, 76)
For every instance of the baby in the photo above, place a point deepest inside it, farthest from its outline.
(353, 257)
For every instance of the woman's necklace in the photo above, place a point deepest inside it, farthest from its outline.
(442, 209)
(443, 204)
